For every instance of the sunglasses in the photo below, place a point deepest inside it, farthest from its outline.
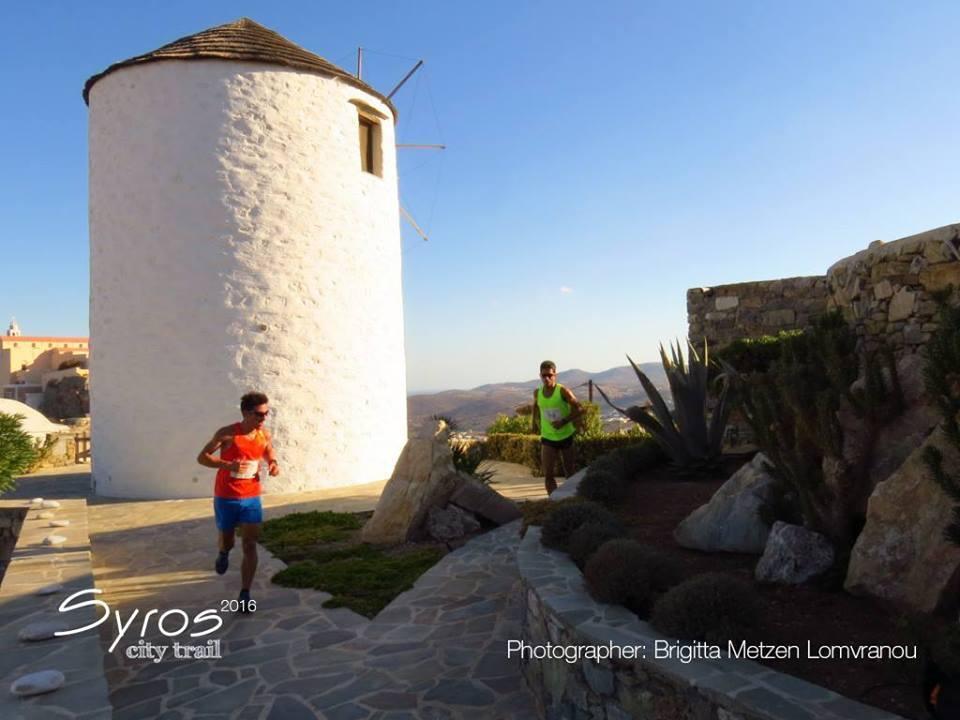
(547, 375)
(260, 415)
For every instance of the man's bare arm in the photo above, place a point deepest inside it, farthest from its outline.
(270, 456)
(576, 410)
(207, 457)
(535, 415)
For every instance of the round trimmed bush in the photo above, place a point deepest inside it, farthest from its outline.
(587, 538)
(713, 607)
(603, 485)
(624, 572)
(560, 524)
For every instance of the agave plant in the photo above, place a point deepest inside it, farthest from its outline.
(687, 435)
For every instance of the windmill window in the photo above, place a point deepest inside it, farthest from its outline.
(371, 139)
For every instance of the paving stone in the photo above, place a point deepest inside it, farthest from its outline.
(329, 637)
(138, 692)
(368, 682)
(389, 699)
(251, 712)
(289, 708)
(389, 648)
(276, 671)
(435, 712)
(226, 700)
(308, 687)
(347, 711)
(147, 709)
(495, 665)
(50, 589)
(223, 677)
(181, 685)
(507, 684)
(460, 692)
(253, 656)
(296, 621)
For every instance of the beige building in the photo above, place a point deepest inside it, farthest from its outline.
(26, 359)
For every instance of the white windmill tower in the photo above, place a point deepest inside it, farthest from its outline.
(244, 229)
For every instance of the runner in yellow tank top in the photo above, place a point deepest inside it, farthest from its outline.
(555, 410)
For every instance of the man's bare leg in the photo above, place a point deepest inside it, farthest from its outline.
(225, 542)
(569, 457)
(251, 533)
(548, 459)
(225, 539)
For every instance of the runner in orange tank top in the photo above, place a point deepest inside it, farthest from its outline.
(236, 492)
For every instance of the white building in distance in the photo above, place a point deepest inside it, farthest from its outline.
(244, 232)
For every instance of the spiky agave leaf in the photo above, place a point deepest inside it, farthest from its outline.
(672, 440)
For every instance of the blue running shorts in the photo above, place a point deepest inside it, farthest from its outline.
(231, 512)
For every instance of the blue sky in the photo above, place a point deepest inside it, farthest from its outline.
(602, 158)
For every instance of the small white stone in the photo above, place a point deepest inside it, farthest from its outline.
(49, 589)
(37, 501)
(59, 523)
(45, 515)
(43, 630)
(54, 540)
(49, 504)
(37, 683)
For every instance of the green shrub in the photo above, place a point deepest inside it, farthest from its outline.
(17, 450)
(712, 607)
(560, 524)
(604, 486)
(942, 381)
(755, 355)
(535, 512)
(587, 538)
(518, 424)
(792, 410)
(525, 449)
(624, 572)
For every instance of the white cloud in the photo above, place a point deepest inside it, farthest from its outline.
(565, 290)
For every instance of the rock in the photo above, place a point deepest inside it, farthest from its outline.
(46, 515)
(43, 630)
(36, 501)
(59, 523)
(901, 554)
(901, 305)
(896, 439)
(793, 555)
(729, 521)
(486, 502)
(882, 290)
(727, 302)
(450, 523)
(50, 504)
(49, 589)
(37, 683)
(424, 477)
(54, 540)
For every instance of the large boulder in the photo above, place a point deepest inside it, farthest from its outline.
(901, 554)
(793, 555)
(730, 521)
(479, 499)
(424, 477)
(893, 442)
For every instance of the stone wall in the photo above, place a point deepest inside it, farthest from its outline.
(886, 291)
(727, 312)
(558, 611)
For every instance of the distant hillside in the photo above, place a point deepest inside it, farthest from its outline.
(475, 409)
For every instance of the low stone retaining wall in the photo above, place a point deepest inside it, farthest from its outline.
(558, 610)
(725, 313)
(79, 657)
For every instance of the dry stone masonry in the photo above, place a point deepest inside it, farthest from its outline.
(752, 309)
(885, 292)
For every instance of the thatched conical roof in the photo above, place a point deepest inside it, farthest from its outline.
(240, 40)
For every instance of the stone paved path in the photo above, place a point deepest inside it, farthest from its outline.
(438, 651)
